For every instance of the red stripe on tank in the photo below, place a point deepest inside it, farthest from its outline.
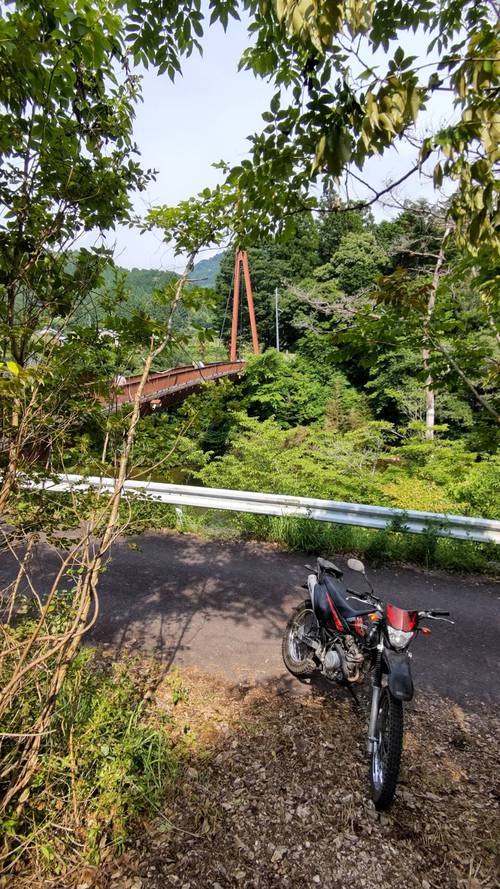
(336, 618)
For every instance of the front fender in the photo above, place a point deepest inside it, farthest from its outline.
(397, 664)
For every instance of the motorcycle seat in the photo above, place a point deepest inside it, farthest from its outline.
(328, 567)
(348, 609)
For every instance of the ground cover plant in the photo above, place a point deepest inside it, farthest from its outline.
(106, 760)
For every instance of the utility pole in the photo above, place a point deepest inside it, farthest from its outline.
(277, 321)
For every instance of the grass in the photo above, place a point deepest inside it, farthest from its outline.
(109, 757)
(378, 547)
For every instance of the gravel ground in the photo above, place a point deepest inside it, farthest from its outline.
(277, 796)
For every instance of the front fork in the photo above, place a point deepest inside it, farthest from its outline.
(376, 692)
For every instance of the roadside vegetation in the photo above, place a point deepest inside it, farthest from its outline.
(109, 757)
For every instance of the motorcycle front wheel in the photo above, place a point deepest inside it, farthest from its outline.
(297, 656)
(387, 747)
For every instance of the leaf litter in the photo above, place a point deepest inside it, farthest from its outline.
(275, 793)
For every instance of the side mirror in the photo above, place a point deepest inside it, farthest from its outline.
(356, 565)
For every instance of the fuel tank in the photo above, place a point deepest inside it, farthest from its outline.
(322, 599)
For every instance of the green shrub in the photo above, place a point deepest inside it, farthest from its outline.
(480, 490)
(305, 461)
(103, 762)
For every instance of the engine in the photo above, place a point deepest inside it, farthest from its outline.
(332, 665)
(355, 660)
(343, 661)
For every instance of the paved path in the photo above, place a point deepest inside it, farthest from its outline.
(222, 606)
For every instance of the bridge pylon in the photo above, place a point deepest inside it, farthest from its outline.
(242, 261)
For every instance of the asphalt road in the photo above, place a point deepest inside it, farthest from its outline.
(222, 606)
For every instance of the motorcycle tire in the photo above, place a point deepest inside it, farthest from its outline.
(386, 755)
(297, 656)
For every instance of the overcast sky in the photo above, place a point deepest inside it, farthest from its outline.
(181, 129)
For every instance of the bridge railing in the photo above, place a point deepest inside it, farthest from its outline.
(185, 377)
(337, 512)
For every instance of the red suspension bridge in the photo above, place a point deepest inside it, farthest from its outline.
(169, 386)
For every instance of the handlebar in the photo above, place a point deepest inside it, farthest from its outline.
(436, 615)
(364, 597)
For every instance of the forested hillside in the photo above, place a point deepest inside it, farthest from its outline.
(205, 271)
(378, 302)
(137, 288)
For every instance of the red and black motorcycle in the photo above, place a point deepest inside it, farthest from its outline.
(346, 634)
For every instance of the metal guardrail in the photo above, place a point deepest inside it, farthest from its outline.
(360, 514)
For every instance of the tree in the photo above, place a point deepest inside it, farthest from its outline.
(284, 388)
(321, 52)
(357, 263)
(68, 167)
(441, 317)
(427, 264)
(335, 221)
(66, 141)
(418, 242)
(334, 292)
(412, 240)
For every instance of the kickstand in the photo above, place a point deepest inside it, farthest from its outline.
(352, 692)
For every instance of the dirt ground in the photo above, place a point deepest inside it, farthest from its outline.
(276, 795)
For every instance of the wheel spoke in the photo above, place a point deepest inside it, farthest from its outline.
(297, 654)
(298, 650)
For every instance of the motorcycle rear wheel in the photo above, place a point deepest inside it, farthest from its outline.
(386, 755)
(297, 656)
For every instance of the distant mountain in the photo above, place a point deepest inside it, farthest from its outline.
(138, 290)
(206, 270)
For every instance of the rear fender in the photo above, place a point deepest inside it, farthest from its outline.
(397, 666)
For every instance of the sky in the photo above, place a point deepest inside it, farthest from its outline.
(181, 129)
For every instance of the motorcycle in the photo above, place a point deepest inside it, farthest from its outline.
(346, 634)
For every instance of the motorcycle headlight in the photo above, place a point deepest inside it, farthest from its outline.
(399, 638)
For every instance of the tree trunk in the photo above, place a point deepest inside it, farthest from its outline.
(430, 398)
(10, 473)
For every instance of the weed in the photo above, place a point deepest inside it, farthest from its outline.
(178, 690)
(393, 544)
(104, 761)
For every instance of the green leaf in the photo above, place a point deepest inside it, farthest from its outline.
(438, 176)
(399, 55)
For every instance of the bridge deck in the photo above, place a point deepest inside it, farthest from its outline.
(178, 379)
